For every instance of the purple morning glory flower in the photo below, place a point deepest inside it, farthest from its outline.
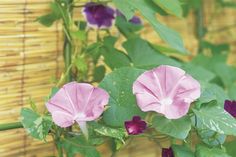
(230, 107)
(167, 152)
(98, 15)
(134, 20)
(135, 126)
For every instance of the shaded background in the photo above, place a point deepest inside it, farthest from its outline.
(31, 59)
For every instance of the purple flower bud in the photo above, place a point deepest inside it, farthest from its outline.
(167, 152)
(134, 20)
(230, 107)
(135, 126)
(98, 15)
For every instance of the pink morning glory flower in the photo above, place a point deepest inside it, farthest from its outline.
(167, 90)
(230, 107)
(77, 102)
(98, 15)
(135, 126)
(167, 152)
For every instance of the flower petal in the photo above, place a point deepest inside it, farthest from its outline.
(167, 90)
(78, 101)
(230, 107)
(91, 101)
(62, 119)
(98, 15)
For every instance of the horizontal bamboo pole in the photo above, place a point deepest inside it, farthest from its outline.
(9, 126)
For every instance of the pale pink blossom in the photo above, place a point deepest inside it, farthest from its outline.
(77, 102)
(167, 90)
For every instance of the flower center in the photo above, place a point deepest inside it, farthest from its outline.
(166, 101)
(79, 116)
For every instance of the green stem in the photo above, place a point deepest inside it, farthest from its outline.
(67, 59)
(9, 126)
(113, 154)
(199, 14)
(60, 150)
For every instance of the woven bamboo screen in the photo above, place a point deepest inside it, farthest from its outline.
(31, 57)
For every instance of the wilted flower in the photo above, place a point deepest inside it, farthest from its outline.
(135, 126)
(98, 15)
(167, 90)
(135, 19)
(167, 152)
(77, 102)
(230, 107)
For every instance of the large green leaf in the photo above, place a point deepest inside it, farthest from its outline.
(226, 73)
(212, 92)
(198, 72)
(148, 10)
(167, 50)
(182, 151)
(122, 103)
(125, 8)
(114, 58)
(99, 73)
(216, 118)
(37, 126)
(171, 6)
(79, 145)
(230, 147)
(178, 128)
(128, 29)
(203, 151)
(144, 56)
(232, 92)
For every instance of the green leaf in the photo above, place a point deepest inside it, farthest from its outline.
(127, 28)
(216, 119)
(124, 7)
(79, 145)
(230, 147)
(198, 72)
(226, 73)
(114, 58)
(143, 55)
(167, 50)
(54, 90)
(170, 6)
(99, 73)
(212, 92)
(211, 138)
(49, 19)
(122, 103)
(203, 151)
(178, 128)
(81, 64)
(118, 133)
(147, 9)
(182, 151)
(37, 126)
(81, 35)
(94, 50)
(232, 92)
(33, 105)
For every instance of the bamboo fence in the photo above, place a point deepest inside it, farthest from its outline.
(31, 58)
